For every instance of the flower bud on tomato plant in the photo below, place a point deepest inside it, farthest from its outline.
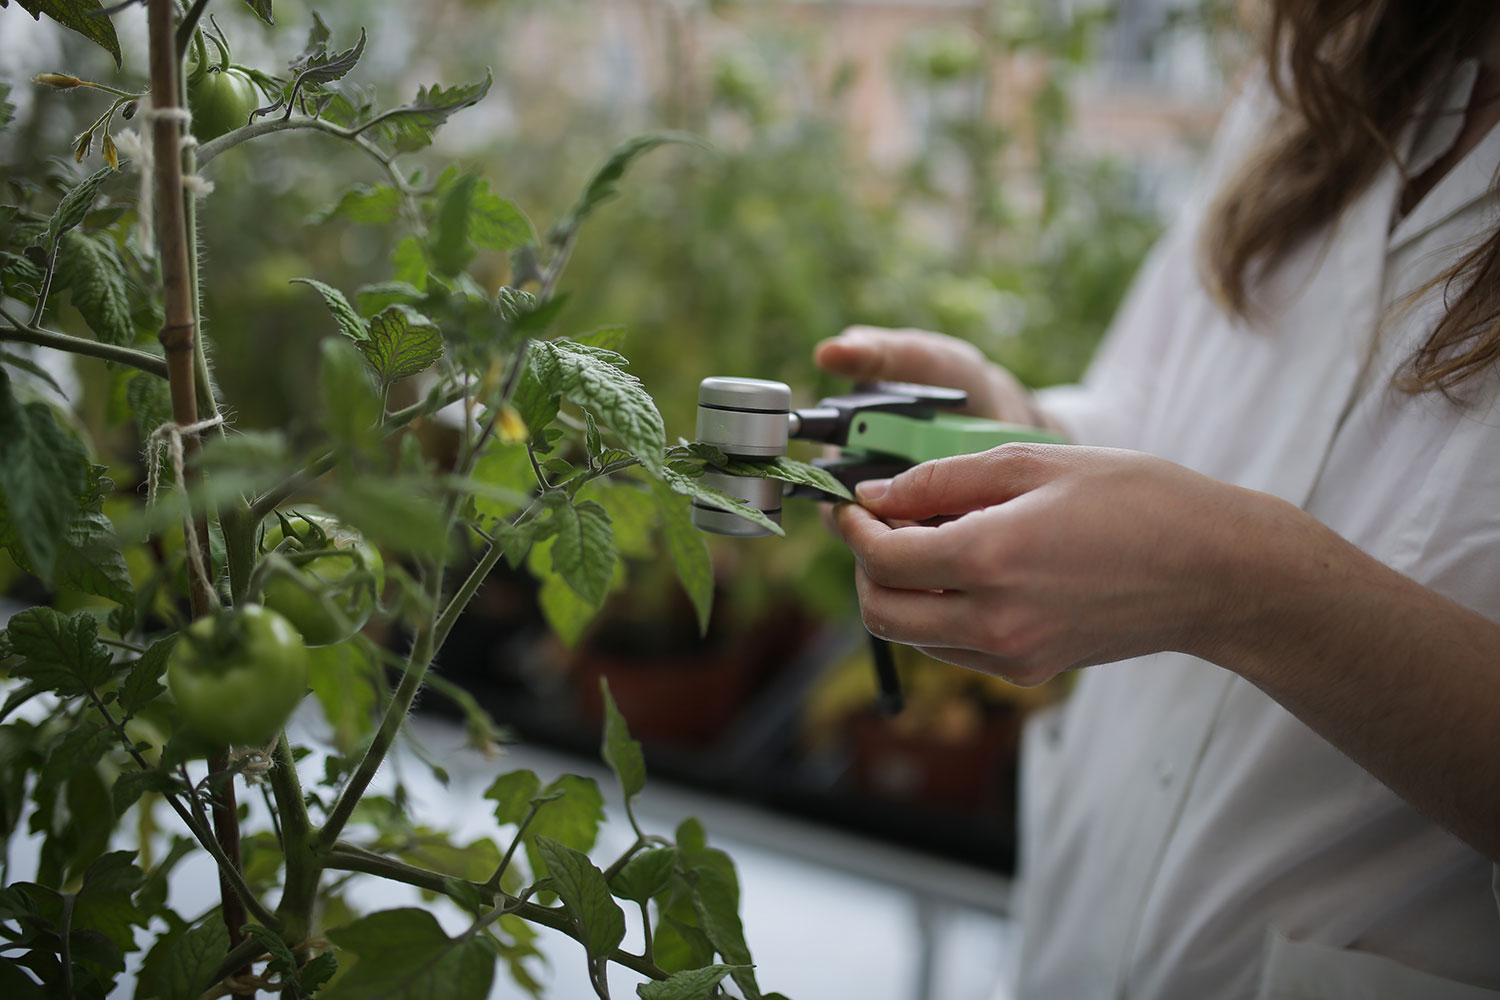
(333, 580)
(237, 675)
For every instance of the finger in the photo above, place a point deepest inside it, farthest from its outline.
(906, 558)
(912, 617)
(867, 352)
(964, 483)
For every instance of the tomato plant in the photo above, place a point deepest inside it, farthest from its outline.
(332, 579)
(110, 695)
(237, 675)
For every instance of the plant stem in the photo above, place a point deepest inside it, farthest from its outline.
(26, 333)
(178, 335)
(417, 662)
(348, 857)
(303, 870)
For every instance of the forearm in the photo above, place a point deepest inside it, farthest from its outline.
(1400, 678)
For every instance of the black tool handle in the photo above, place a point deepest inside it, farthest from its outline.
(890, 700)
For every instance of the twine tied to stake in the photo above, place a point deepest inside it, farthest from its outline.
(169, 436)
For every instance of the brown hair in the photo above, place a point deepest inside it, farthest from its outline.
(1350, 74)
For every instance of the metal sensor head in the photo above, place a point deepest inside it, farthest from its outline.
(743, 418)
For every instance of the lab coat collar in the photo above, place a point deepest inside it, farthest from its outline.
(1470, 179)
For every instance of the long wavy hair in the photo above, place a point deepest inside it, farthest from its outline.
(1350, 75)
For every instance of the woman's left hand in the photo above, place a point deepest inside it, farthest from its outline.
(1056, 556)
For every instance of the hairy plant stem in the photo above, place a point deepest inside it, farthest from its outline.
(303, 868)
(27, 333)
(178, 336)
(348, 857)
(417, 661)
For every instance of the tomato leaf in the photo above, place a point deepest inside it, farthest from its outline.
(496, 223)
(512, 794)
(74, 206)
(450, 247)
(402, 343)
(190, 964)
(104, 904)
(619, 751)
(322, 66)
(582, 889)
(403, 954)
(143, 683)
(410, 127)
(571, 815)
(688, 550)
(645, 875)
(787, 470)
(350, 325)
(707, 496)
(606, 180)
(94, 275)
(61, 652)
(351, 405)
(83, 16)
(582, 552)
(716, 902)
(43, 471)
(595, 380)
(690, 984)
(363, 203)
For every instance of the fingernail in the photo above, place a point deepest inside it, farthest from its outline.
(871, 489)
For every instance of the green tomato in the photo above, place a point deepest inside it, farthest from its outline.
(237, 675)
(335, 579)
(221, 101)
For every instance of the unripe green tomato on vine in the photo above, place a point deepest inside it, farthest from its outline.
(330, 596)
(237, 675)
(220, 99)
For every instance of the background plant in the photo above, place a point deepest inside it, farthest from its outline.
(556, 458)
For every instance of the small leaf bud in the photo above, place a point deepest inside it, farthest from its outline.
(61, 81)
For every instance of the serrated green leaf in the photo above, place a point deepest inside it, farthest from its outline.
(606, 180)
(449, 246)
(83, 16)
(131, 785)
(149, 400)
(717, 906)
(62, 652)
(688, 550)
(512, 794)
(572, 816)
(89, 558)
(698, 493)
(645, 875)
(619, 751)
(632, 512)
(402, 343)
(31, 368)
(143, 683)
(350, 324)
(582, 552)
(689, 984)
(411, 126)
(404, 955)
(496, 223)
(7, 109)
(582, 889)
(787, 470)
(608, 338)
(43, 471)
(325, 67)
(374, 205)
(74, 206)
(372, 298)
(409, 262)
(193, 960)
(318, 971)
(592, 378)
(93, 273)
(351, 405)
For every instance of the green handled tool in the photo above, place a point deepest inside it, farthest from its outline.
(881, 429)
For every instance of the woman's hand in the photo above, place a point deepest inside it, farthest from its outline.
(1054, 556)
(868, 352)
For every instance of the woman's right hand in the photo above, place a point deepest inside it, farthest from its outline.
(866, 353)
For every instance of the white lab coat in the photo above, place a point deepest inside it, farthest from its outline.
(1183, 836)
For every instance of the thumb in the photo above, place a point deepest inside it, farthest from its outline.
(954, 486)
